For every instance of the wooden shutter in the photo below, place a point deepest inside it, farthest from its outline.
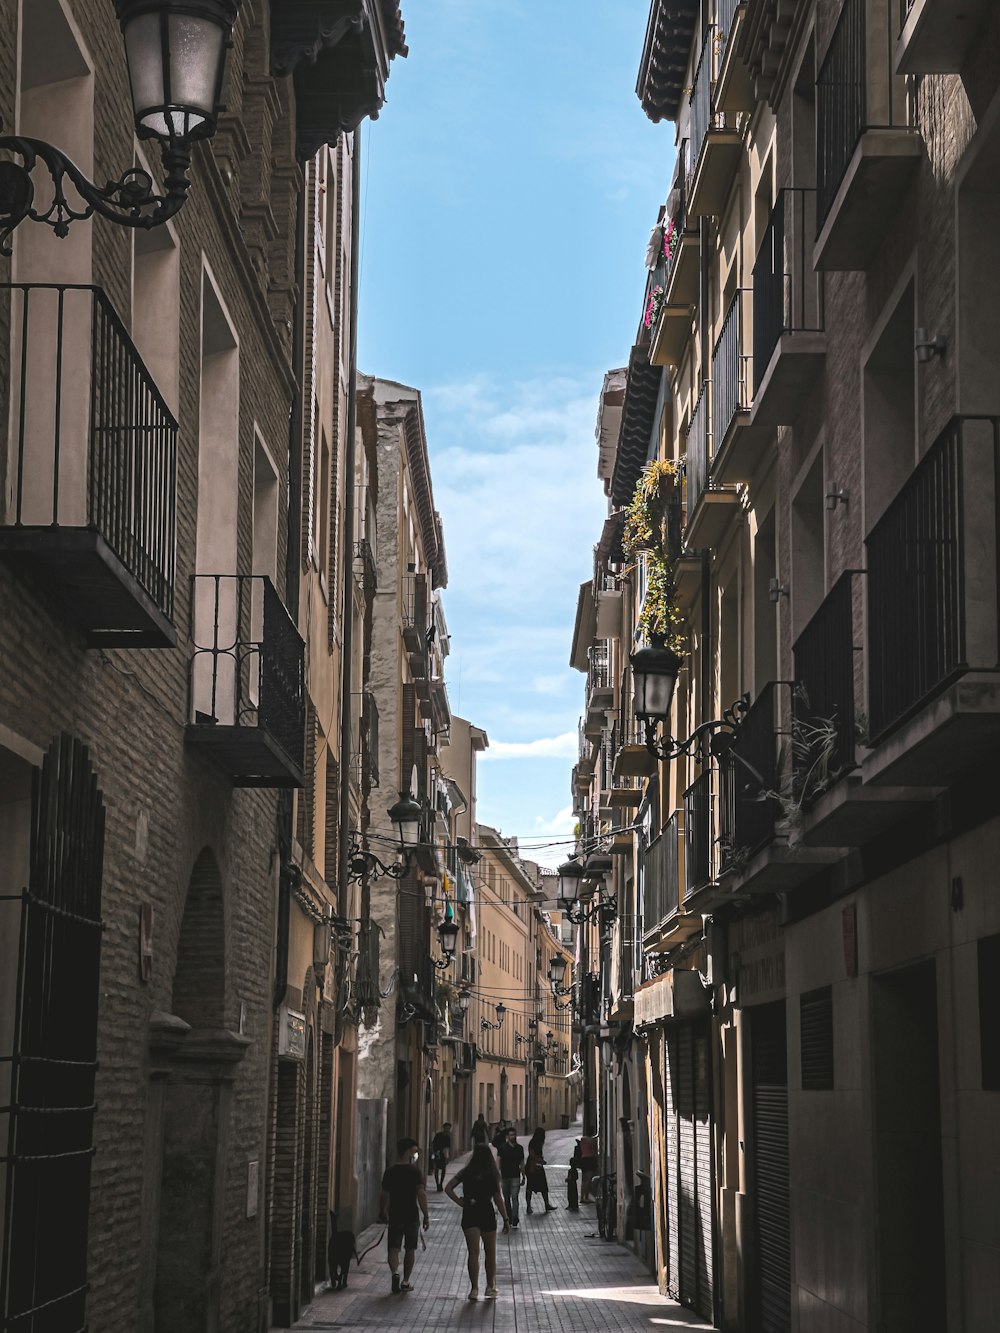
(408, 722)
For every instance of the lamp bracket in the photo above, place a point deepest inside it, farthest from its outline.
(131, 200)
(363, 863)
(709, 738)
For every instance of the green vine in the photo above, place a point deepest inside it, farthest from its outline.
(645, 532)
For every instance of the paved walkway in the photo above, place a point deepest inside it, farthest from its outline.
(555, 1275)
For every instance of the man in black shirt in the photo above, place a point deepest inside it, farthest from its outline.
(511, 1156)
(404, 1191)
(440, 1148)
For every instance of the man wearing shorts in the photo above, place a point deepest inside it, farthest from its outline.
(404, 1196)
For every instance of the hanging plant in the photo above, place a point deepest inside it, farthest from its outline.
(645, 533)
(669, 237)
(653, 307)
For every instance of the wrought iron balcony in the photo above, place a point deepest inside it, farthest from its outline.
(683, 244)
(716, 142)
(416, 622)
(709, 506)
(938, 36)
(750, 779)
(247, 681)
(91, 466)
(933, 610)
(866, 149)
(661, 877)
(600, 695)
(701, 845)
(734, 86)
(739, 445)
(789, 343)
(364, 761)
(824, 708)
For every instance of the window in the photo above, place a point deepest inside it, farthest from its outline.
(989, 1011)
(816, 1039)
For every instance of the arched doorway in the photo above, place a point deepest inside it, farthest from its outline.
(194, 1060)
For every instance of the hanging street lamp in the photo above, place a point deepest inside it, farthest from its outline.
(176, 56)
(654, 677)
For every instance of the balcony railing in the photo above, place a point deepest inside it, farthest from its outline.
(415, 610)
(750, 781)
(824, 694)
(856, 90)
(598, 669)
(661, 876)
(731, 370)
(696, 469)
(929, 562)
(247, 680)
(700, 846)
(787, 294)
(725, 12)
(365, 758)
(91, 465)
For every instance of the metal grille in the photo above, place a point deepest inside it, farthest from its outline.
(699, 833)
(725, 12)
(696, 469)
(53, 1063)
(365, 759)
(787, 293)
(816, 1038)
(824, 673)
(731, 370)
(661, 883)
(122, 480)
(916, 566)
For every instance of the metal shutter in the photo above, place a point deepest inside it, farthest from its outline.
(770, 1168)
(816, 1029)
(687, 1203)
(673, 1166)
(704, 1296)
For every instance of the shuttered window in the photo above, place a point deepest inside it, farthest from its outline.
(989, 1011)
(816, 1037)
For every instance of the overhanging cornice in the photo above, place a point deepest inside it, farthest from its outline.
(669, 35)
(638, 417)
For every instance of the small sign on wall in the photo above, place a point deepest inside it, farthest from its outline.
(253, 1187)
(291, 1034)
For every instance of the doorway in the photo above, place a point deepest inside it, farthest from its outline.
(909, 1188)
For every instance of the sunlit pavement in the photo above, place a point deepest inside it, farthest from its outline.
(554, 1274)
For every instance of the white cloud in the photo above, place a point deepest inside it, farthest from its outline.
(561, 824)
(546, 747)
(555, 684)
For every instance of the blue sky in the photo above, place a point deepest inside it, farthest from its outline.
(509, 188)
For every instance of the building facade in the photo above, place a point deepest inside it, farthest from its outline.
(808, 992)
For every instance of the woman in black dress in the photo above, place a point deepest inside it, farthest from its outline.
(481, 1189)
(535, 1180)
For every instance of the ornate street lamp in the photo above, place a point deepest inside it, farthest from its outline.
(464, 999)
(501, 1009)
(176, 55)
(570, 875)
(405, 815)
(447, 938)
(654, 677)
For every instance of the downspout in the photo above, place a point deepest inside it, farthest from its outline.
(287, 872)
(347, 659)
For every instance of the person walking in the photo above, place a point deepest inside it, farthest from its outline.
(404, 1191)
(480, 1182)
(588, 1165)
(535, 1181)
(440, 1149)
(480, 1130)
(511, 1157)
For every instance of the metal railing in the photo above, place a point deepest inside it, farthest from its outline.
(93, 444)
(700, 847)
(248, 659)
(787, 292)
(749, 779)
(696, 470)
(824, 695)
(917, 554)
(661, 875)
(415, 604)
(365, 759)
(731, 370)
(856, 90)
(725, 12)
(677, 222)
(364, 565)
(598, 669)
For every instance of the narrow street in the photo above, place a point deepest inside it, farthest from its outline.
(554, 1273)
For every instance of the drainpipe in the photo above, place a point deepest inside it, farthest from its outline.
(347, 660)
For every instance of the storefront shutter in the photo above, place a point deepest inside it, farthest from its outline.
(770, 1168)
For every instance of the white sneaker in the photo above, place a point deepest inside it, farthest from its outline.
(491, 1293)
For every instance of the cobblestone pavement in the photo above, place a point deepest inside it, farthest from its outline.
(554, 1274)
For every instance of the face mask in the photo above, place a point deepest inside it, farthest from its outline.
(413, 1159)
